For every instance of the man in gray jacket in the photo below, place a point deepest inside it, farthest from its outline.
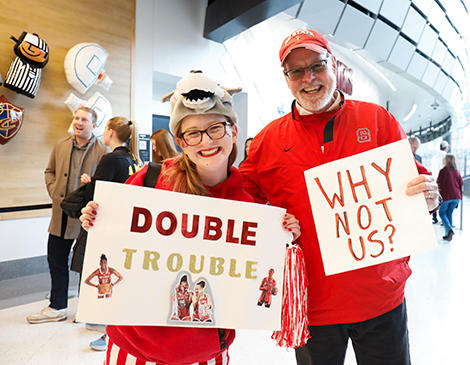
(70, 158)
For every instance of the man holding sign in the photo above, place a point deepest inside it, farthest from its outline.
(367, 304)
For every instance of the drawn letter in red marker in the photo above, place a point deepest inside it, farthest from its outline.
(355, 185)
(386, 173)
(335, 196)
(344, 223)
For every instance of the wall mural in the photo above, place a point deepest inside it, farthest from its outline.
(97, 102)
(84, 66)
(24, 75)
(11, 120)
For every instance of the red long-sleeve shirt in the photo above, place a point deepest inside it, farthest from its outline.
(274, 172)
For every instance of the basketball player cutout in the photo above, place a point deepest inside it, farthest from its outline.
(182, 301)
(268, 289)
(105, 284)
(202, 304)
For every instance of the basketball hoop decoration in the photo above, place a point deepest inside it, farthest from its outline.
(84, 66)
(11, 120)
(98, 103)
(24, 75)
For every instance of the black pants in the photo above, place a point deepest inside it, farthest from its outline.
(58, 250)
(378, 341)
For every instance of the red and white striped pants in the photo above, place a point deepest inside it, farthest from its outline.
(116, 356)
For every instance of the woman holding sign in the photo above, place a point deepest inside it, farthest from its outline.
(204, 123)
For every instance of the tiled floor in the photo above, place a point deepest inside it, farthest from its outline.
(437, 299)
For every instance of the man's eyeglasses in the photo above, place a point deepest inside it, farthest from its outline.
(315, 68)
(215, 131)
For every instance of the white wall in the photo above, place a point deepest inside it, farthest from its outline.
(23, 238)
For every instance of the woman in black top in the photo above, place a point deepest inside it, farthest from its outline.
(116, 166)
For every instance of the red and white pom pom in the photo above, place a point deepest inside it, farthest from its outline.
(294, 323)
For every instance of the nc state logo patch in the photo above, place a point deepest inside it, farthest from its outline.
(363, 135)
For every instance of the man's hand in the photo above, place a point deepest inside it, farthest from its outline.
(427, 185)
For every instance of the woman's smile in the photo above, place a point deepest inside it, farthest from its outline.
(210, 152)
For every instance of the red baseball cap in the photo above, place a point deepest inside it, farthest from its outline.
(303, 38)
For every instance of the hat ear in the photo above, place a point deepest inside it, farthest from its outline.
(167, 97)
(233, 90)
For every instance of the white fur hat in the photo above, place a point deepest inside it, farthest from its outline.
(196, 94)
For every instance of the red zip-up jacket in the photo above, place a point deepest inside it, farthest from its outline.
(179, 345)
(274, 173)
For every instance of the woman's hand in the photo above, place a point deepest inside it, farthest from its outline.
(89, 215)
(85, 178)
(427, 185)
(291, 224)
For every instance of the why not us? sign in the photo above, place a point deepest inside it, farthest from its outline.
(362, 215)
(156, 257)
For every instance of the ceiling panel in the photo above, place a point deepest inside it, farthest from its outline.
(428, 40)
(449, 36)
(372, 5)
(458, 74)
(424, 5)
(321, 15)
(430, 75)
(381, 40)
(414, 25)
(437, 16)
(417, 66)
(457, 13)
(439, 52)
(354, 27)
(448, 63)
(449, 89)
(395, 10)
(440, 82)
(401, 53)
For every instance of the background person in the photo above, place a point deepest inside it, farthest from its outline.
(70, 158)
(163, 146)
(437, 163)
(247, 149)
(415, 143)
(365, 305)
(450, 186)
(207, 133)
(116, 166)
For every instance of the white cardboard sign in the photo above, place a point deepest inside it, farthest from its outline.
(362, 215)
(164, 244)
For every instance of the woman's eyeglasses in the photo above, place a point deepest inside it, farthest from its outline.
(315, 68)
(215, 131)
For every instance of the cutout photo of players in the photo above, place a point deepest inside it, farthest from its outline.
(268, 289)
(105, 285)
(202, 305)
(182, 299)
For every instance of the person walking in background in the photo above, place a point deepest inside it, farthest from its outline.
(365, 305)
(70, 158)
(163, 146)
(415, 143)
(437, 163)
(450, 185)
